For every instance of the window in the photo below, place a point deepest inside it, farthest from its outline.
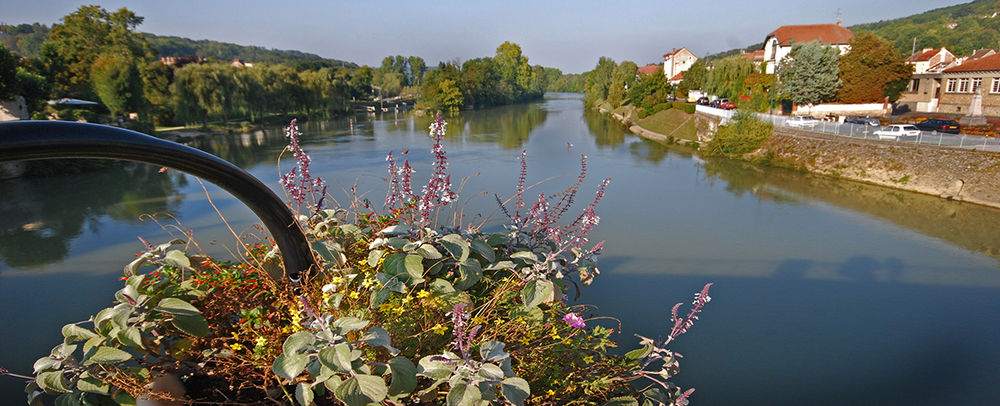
(976, 84)
(963, 85)
(951, 85)
(995, 88)
(914, 86)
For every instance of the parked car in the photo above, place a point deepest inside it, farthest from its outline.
(895, 131)
(802, 121)
(871, 121)
(703, 101)
(714, 103)
(939, 125)
(726, 104)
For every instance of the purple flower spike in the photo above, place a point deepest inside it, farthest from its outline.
(574, 320)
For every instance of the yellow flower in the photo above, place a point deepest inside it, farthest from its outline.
(260, 341)
(423, 293)
(354, 295)
(368, 283)
(336, 280)
(439, 329)
(589, 359)
(236, 336)
(407, 299)
(478, 320)
(236, 346)
(550, 392)
(398, 310)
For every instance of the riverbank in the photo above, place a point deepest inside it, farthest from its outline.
(950, 173)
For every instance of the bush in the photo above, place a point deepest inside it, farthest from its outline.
(743, 135)
(685, 107)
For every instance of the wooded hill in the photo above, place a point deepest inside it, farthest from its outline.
(961, 28)
(26, 40)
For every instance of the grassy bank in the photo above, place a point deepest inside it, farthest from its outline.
(671, 123)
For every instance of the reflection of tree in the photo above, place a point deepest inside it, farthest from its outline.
(509, 126)
(606, 129)
(650, 151)
(39, 217)
(742, 177)
(246, 149)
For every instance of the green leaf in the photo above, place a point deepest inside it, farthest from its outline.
(428, 251)
(378, 337)
(536, 292)
(441, 286)
(135, 281)
(93, 385)
(491, 372)
(457, 246)
(501, 265)
(297, 341)
(131, 337)
(337, 358)
(433, 369)
(492, 351)
(415, 267)
(398, 229)
(622, 401)
(194, 325)
(394, 264)
(177, 307)
(289, 366)
(304, 394)
(332, 383)
(464, 395)
(123, 398)
(52, 382)
(497, 239)
(639, 353)
(45, 363)
(484, 250)
(516, 390)
(391, 283)
(177, 258)
(74, 333)
(69, 399)
(105, 355)
(329, 251)
(528, 256)
(63, 350)
(374, 257)
(469, 273)
(404, 376)
(129, 294)
(361, 390)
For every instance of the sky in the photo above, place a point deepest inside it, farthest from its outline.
(569, 35)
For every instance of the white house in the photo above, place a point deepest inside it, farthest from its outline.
(678, 61)
(778, 44)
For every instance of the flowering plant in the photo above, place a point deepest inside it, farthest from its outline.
(400, 311)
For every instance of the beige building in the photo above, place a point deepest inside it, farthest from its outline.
(961, 82)
(923, 93)
(778, 44)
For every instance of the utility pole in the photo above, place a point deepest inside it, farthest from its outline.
(914, 50)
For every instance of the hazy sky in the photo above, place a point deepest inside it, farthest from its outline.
(569, 35)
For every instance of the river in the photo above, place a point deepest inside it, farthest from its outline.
(826, 292)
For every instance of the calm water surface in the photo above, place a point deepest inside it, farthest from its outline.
(826, 292)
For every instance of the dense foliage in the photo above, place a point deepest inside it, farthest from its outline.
(961, 28)
(872, 70)
(743, 135)
(482, 82)
(810, 73)
(401, 311)
(223, 51)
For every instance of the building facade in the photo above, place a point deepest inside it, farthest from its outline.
(778, 44)
(678, 61)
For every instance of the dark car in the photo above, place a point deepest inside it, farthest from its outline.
(703, 101)
(871, 121)
(939, 125)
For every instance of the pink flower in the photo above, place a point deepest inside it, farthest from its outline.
(574, 320)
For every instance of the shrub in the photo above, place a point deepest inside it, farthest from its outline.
(686, 107)
(743, 135)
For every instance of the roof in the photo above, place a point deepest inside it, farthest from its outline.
(828, 34)
(923, 56)
(755, 56)
(679, 76)
(651, 69)
(991, 62)
(667, 55)
(981, 53)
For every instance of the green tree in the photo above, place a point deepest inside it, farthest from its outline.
(726, 79)
(481, 83)
(117, 82)
(417, 70)
(34, 88)
(515, 70)
(451, 96)
(810, 73)
(361, 82)
(85, 34)
(622, 78)
(156, 78)
(694, 77)
(872, 70)
(599, 80)
(8, 74)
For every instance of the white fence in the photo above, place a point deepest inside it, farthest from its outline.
(867, 131)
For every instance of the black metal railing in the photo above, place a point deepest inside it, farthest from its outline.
(30, 140)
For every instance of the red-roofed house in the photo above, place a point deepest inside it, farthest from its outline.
(963, 81)
(650, 70)
(778, 44)
(924, 90)
(677, 61)
(930, 59)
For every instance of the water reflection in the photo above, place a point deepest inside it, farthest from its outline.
(41, 216)
(508, 126)
(606, 130)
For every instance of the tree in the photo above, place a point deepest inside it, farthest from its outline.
(480, 80)
(694, 77)
(85, 34)
(8, 74)
(117, 82)
(417, 69)
(599, 80)
(810, 73)
(727, 77)
(451, 97)
(515, 70)
(872, 70)
(622, 78)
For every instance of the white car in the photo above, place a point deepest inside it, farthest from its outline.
(895, 131)
(802, 121)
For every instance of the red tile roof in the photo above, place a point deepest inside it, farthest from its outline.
(980, 53)
(829, 34)
(679, 76)
(923, 56)
(675, 52)
(991, 62)
(651, 69)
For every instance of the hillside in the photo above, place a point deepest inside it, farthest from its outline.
(961, 28)
(26, 40)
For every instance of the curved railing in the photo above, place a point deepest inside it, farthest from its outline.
(28, 140)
